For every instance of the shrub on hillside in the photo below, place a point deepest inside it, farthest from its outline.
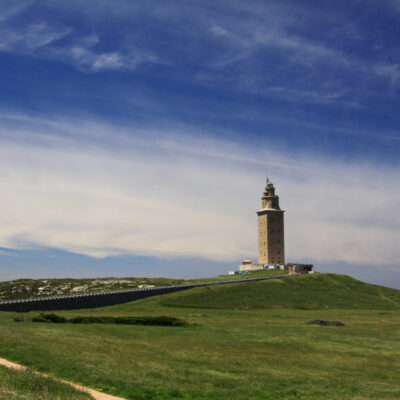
(157, 321)
(92, 320)
(324, 322)
(160, 321)
(50, 318)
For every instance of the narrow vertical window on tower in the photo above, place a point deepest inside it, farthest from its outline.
(269, 214)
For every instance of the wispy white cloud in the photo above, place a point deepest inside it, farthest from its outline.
(278, 33)
(39, 35)
(9, 8)
(391, 71)
(30, 38)
(314, 96)
(88, 60)
(274, 27)
(251, 41)
(41, 39)
(301, 50)
(171, 195)
(394, 3)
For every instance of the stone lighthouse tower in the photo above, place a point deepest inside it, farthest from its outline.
(271, 244)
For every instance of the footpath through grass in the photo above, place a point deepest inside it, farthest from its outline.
(234, 353)
(25, 385)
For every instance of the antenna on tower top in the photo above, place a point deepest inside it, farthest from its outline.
(267, 180)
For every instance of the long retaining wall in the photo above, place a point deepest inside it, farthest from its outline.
(93, 300)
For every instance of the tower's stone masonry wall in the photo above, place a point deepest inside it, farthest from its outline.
(262, 239)
(271, 241)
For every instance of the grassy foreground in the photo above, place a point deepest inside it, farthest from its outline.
(239, 350)
(25, 385)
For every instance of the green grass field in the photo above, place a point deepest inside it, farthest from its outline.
(25, 385)
(253, 341)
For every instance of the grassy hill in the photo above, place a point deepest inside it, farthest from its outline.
(36, 288)
(316, 291)
(238, 344)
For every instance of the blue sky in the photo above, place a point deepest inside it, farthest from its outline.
(135, 137)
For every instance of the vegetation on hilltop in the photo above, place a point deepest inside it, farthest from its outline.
(33, 288)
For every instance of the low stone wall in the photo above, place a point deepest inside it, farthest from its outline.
(95, 300)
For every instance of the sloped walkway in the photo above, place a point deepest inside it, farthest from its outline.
(94, 393)
(94, 300)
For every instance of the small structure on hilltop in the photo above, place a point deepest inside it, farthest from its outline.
(248, 266)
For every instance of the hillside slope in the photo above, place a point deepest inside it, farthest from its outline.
(37, 288)
(315, 291)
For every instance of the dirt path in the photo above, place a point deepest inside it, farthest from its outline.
(94, 393)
